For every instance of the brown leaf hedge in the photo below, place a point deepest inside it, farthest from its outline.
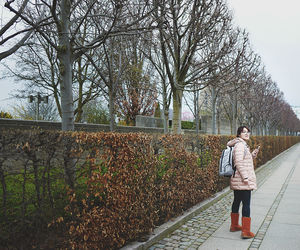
(126, 184)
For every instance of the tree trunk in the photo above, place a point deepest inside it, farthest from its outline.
(165, 108)
(79, 104)
(166, 121)
(213, 103)
(165, 115)
(258, 129)
(234, 114)
(80, 95)
(112, 97)
(65, 58)
(177, 108)
(196, 110)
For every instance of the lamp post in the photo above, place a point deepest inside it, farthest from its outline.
(38, 98)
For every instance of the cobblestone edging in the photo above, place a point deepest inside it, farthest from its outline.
(256, 242)
(197, 230)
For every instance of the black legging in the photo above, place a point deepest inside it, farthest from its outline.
(241, 196)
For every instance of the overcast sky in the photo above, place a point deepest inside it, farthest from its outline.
(274, 28)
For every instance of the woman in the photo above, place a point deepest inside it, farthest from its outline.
(242, 182)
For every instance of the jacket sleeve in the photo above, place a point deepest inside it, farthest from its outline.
(239, 152)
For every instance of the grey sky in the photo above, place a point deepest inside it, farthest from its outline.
(274, 31)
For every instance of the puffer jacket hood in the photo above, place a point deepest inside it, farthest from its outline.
(235, 141)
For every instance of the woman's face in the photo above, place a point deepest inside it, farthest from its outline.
(245, 135)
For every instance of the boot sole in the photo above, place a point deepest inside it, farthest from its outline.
(247, 237)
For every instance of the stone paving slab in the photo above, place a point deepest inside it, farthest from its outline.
(284, 229)
(209, 228)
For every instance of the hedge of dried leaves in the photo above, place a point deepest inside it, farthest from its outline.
(126, 183)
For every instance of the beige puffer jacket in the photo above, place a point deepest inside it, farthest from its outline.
(244, 166)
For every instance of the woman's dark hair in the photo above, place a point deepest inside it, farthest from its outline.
(240, 130)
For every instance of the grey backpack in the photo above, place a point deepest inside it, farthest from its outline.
(226, 163)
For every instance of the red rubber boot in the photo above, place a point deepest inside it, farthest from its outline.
(246, 224)
(235, 223)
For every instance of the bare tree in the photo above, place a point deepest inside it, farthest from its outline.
(245, 70)
(9, 32)
(230, 46)
(138, 93)
(65, 18)
(260, 99)
(184, 27)
(194, 98)
(36, 111)
(153, 53)
(110, 65)
(38, 69)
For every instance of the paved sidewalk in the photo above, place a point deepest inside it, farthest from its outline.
(275, 212)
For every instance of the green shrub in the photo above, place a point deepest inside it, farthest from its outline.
(187, 125)
(5, 115)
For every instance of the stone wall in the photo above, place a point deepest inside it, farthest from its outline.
(47, 125)
(148, 121)
(206, 125)
(143, 125)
